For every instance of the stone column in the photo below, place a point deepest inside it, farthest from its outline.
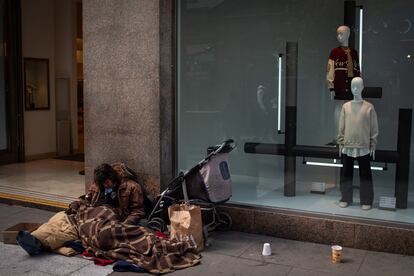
(128, 98)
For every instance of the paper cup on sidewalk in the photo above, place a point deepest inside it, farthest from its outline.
(336, 255)
(266, 250)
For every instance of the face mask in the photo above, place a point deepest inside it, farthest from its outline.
(108, 191)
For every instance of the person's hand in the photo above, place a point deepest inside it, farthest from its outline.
(340, 147)
(332, 93)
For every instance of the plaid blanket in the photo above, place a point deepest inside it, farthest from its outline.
(101, 231)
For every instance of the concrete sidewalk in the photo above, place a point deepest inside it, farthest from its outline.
(230, 253)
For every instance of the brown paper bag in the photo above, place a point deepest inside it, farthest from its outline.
(186, 224)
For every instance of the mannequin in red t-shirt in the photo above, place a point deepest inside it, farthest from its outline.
(343, 65)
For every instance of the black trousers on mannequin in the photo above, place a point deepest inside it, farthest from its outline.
(366, 190)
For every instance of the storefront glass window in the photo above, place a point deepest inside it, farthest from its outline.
(229, 52)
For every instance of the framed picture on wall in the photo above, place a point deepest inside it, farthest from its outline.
(36, 83)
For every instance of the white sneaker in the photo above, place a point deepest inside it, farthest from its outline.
(343, 204)
(366, 207)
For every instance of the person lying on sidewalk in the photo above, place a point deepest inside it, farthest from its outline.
(105, 236)
(111, 187)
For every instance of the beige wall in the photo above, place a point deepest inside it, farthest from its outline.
(48, 31)
(38, 42)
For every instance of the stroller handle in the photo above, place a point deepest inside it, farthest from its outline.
(228, 145)
(225, 147)
(229, 142)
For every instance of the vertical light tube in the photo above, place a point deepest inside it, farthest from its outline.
(279, 94)
(361, 15)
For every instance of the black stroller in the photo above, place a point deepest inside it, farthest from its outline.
(206, 184)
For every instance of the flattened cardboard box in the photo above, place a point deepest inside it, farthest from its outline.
(9, 235)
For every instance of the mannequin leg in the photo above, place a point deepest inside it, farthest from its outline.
(347, 172)
(366, 191)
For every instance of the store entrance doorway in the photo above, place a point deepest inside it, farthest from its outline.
(11, 119)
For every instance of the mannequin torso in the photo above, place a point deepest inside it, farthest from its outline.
(358, 126)
(343, 65)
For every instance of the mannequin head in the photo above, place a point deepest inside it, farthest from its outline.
(357, 85)
(342, 34)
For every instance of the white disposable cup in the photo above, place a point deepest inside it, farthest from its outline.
(266, 250)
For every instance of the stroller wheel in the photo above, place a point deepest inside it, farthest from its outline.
(224, 221)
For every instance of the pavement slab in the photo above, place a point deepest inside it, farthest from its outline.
(11, 215)
(231, 243)
(306, 255)
(217, 264)
(306, 272)
(384, 264)
(15, 261)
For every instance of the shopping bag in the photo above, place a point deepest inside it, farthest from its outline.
(186, 224)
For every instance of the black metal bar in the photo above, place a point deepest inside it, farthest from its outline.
(289, 188)
(349, 20)
(291, 95)
(291, 74)
(316, 152)
(372, 92)
(290, 157)
(262, 148)
(290, 136)
(290, 117)
(385, 156)
(403, 166)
